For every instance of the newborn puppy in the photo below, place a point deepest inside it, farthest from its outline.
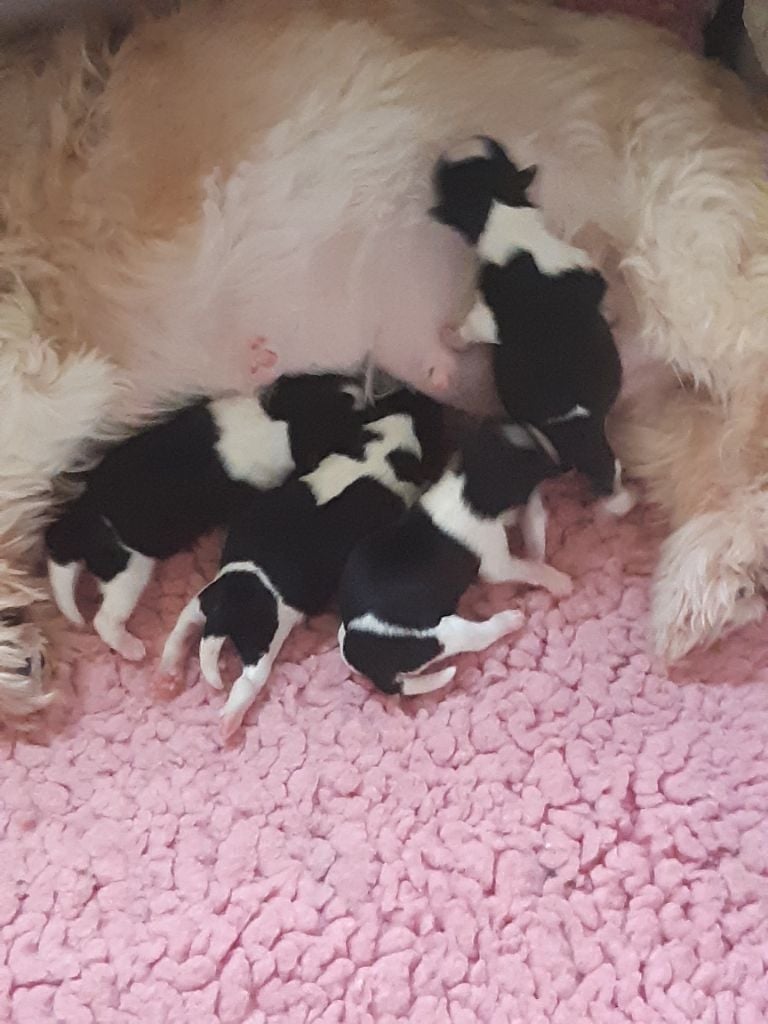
(158, 492)
(284, 555)
(538, 301)
(401, 586)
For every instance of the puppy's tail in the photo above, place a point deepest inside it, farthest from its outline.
(67, 541)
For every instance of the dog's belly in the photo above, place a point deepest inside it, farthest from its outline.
(317, 237)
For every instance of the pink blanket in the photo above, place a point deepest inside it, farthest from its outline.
(566, 835)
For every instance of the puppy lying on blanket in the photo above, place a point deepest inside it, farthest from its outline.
(284, 555)
(538, 302)
(401, 587)
(158, 492)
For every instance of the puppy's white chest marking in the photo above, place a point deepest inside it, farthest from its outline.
(252, 447)
(338, 472)
(511, 230)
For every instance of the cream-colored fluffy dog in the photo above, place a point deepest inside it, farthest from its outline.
(261, 168)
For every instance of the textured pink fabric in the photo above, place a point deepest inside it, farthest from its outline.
(684, 17)
(565, 836)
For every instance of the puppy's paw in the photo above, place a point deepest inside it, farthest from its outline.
(559, 584)
(620, 503)
(230, 721)
(131, 648)
(511, 620)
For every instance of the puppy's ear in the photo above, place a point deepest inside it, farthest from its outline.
(494, 149)
(526, 176)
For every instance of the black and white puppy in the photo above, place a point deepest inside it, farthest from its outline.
(285, 553)
(156, 493)
(401, 586)
(538, 302)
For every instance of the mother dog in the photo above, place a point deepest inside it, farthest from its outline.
(250, 179)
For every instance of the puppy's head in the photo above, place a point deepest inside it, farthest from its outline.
(428, 419)
(503, 465)
(324, 413)
(469, 178)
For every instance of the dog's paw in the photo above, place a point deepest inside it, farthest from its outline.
(709, 579)
(23, 667)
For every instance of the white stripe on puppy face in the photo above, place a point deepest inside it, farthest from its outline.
(511, 230)
(578, 412)
(338, 472)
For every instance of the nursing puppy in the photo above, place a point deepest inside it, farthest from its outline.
(538, 300)
(158, 492)
(284, 555)
(401, 587)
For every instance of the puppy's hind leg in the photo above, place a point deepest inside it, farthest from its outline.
(533, 526)
(623, 499)
(256, 670)
(499, 566)
(63, 579)
(582, 444)
(121, 595)
(190, 618)
(457, 635)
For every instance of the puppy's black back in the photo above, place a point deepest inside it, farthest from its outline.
(164, 487)
(408, 574)
(556, 349)
(301, 546)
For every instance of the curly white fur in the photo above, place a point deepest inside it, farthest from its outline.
(289, 200)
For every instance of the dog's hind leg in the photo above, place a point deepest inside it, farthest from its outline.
(121, 595)
(256, 670)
